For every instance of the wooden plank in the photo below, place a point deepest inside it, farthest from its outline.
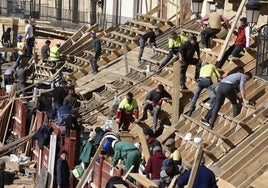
(144, 145)
(199, 154)
(143, 24)
(256, 162)
(261, 181)
(168, 131)
(143, 180)
(232, 167)
(8, 50)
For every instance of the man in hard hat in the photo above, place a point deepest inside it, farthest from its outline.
(20, 50)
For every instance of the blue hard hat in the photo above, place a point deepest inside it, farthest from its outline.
(19, 37)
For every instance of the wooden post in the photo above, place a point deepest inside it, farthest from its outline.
(177, 13)
(181, 13)
(176, 93)
(146, 6)
(161, 9)
(198, 156)
(227, 39)
(144, 146)
(125, 57)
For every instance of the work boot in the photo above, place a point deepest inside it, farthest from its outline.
(144, 117)
(189, 113)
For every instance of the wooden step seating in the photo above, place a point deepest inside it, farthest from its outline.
(125, 36)
(85, 43)
(154, 20)
(229, 161)
(210, 137)
(120, 84)
(78, 40)
(136, 74)
(246, 163)
(188, 147)
(131, 30)
(42, 71)
(164, 24)
(141, 25)
(76, 36)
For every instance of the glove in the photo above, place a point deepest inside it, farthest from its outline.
(136, 121)
(245, 101)
(111, 171)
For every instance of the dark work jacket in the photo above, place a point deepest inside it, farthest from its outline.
(205, 178)
(187, 50)
(62, 172)
(43, 135)
(156, 97)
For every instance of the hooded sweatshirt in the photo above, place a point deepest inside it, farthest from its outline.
(154, 165)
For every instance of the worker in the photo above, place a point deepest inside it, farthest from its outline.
(55, 52)
(173, 152)
(205, 178)
(95, 55)
(227, 89)
(62, 169)
(127, 112)
(204, 81)
(153, 102)
(154, 164)
(129, 153)
(148, 38)
(242, 41)
(214, 26)
(186, 57)
(21, 51)
(174, 43)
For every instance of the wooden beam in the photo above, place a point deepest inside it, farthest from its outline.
(13, 145)
(143, 180)
(7, 49)
(144, 146)
(228, 37)
(199, 154)
(125, 57)
(176, 93)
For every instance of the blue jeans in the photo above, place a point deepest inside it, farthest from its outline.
(93, 62)
(202, 83)
(156, 109)
(19, 58)
(5, 45)
(234, 50)
(169, 57)
(142, 46)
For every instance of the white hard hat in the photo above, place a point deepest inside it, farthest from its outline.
(58, 43)
(113, 143)
(188, 136)
(197, 140)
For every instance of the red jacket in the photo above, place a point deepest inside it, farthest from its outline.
(154, 165)
(241, 35)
